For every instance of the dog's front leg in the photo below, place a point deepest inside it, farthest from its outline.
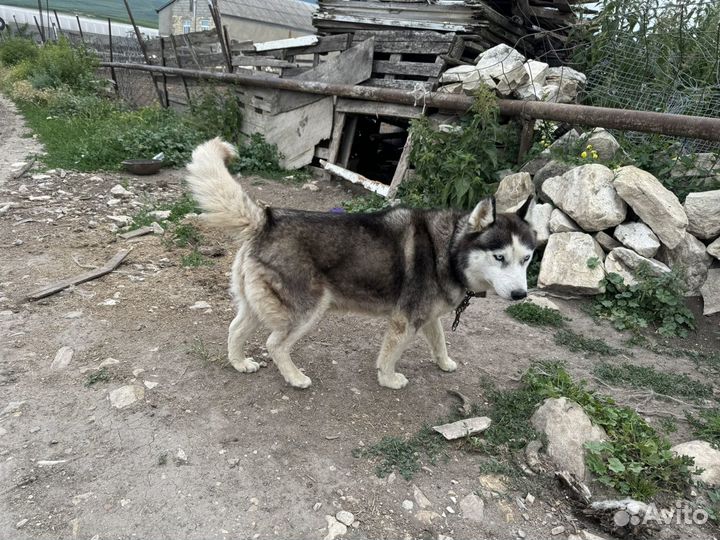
(435, 337)
(396, 339)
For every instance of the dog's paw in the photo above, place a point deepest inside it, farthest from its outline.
(448, 364)
(396, 381)
(299, 381)
(245, 365)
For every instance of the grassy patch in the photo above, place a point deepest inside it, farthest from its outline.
(535, 315)
(635, 460)
(195, 259)
(654, 301)
(579, 343)
(178, 210)
(101, 375)
(186, 234)
(199, 350)
(706, 426)
(670, 384)
(368, 203)
(404, 455)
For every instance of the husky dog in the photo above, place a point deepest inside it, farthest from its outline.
(410, 266)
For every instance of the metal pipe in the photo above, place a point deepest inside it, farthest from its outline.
(694, 127)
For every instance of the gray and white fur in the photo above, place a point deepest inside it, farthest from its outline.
(410, 266)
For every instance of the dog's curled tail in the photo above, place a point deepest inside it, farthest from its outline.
(222, 199)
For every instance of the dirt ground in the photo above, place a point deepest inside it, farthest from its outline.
(257, 459)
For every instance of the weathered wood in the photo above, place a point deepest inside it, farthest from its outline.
(694, 127)
(303, 41)
(337, 131)
(391, 22)
(401, 168)
(141, 42)
(25, 168)
(111, 265)
(58, 22)
(373, 108)
(112, 70)
(348, 140)
(164, 77)
(355, 178)
(142, 231)
(215, 14)
(420, 69)
(82, 36)
(261, 61)
(526, 138)
(399, 84)
(179, 64)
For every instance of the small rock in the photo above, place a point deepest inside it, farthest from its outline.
(311, 186)
(407, 505)
(108, 362)
(150, 384)
(463, 428)
(122, 220)
(443, 537)
(714, 249)
(603, 143)
(39, 197)
(233, 462)
(420, 498)
(73, 315)
(20, 524)
(542, 302)
(200, 304)
(567, 428)
(691, 256)
(655, 205)
(181, 458)
(62, 358)
(121, 192)
(559, 222)
(77, 499)
(39, 177)
(710, 292)
(317, 506)
(557, 530)
(529, 499)
(157, 229)
(426, 517)
(449, 509)
(12, 407)
(626, 262)
(607, 242)
(472, 507)
(335, 528)
(638, 237)
(345, 517)
(160, 215)
(126, 395)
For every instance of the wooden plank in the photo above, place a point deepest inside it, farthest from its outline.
(403, 36)
(371, 185)
(420, 69)
(348, 140)
(261, 61)
(352, 66)
(303, 41)
(372, 108)
(401, 168)
(337, 131)
(111, 265)
(392, 22)
(322, 153)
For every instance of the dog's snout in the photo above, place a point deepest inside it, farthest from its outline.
(518, 294)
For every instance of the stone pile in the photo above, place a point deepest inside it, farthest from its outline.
(594, 220)
(510, 74)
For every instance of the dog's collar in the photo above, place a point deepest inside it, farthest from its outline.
(464, 303)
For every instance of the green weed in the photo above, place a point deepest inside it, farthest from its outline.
(579, 343)
(706, 426)
(195, 259)
(368, 203)
(653, 301)
(15, 50)
(535, 315)
(186, 234)
(669, 384)
(94, 377)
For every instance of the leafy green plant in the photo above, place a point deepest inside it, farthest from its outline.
(257, 156)
(101, 375)
(706, 426)
(670, 384)
(15, 50)
(62, 64)
(456, 167)
(579, 343)
(195, 259)
(635, 460)
(186, 234)
(653, 301)
(535, 315)
(368, 203)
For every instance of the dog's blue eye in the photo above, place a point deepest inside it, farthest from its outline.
(499, 258)
(526, 259)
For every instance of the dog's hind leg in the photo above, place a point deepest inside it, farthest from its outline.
(241, 328)
(281, 341)
(435, 337)
(396, 339)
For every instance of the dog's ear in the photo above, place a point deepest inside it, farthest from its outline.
(524, 210)
(482, 216)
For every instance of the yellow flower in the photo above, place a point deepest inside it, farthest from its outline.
(583, 155)
(594, 154)
(589, 147)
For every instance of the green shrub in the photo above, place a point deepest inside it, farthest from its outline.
(653, 301)
(61, 64)
(15, 50)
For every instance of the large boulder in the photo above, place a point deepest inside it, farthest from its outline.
(706, 457)
(691, 258)
(654, 204)
(539, 218)
(505, 66)
(566, 428)
(513, 191)
(711, 292)
(586, 194)
(532, 89)
(468, 77)
(626, 262)
(638, 237)
(565, 268)
(703, 213)
(562, 85)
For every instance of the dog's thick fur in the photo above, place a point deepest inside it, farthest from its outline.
(411, 266)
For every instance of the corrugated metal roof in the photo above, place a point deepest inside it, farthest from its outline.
(290, 13)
